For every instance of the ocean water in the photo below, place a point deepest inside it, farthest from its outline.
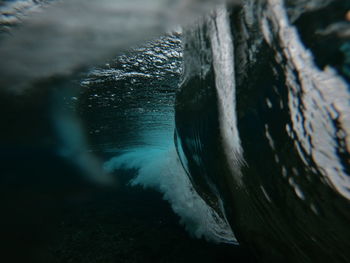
(139, 95)
(175, 131)
(271, 144)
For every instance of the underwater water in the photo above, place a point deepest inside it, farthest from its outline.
(133, 119)
(223, 138)
(273, 142)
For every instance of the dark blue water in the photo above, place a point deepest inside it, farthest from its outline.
(276, 163)
(124, 139)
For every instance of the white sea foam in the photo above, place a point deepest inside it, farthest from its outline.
(159, 168)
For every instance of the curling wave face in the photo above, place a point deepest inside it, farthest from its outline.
(272, 143)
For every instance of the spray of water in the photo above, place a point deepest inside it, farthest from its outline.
(159, 168)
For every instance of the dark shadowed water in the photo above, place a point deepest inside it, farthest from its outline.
(126, 139)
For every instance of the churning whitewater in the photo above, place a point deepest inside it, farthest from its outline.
(159, 168)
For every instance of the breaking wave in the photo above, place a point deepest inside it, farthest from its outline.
(159, 168)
